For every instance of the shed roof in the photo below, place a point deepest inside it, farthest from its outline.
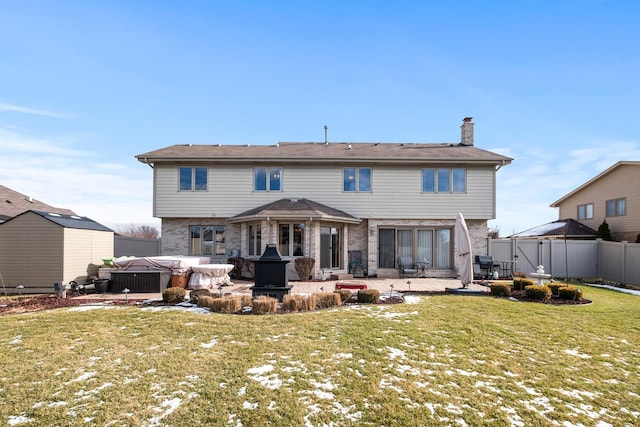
(318, 152)
(13, 203)
(295, 209)
(559, 228)
(67, 221)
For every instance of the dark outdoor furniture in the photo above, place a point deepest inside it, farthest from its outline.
(406, 267)
(356, 266)
(484, 266)
(270, 275)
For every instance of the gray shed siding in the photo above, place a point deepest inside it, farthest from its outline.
(36, 253)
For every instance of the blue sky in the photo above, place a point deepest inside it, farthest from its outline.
(87, 85)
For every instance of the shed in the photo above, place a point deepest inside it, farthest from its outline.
(38, 249)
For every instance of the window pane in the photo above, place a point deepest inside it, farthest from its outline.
(364, 179)
(459, 181)
(207, 235)
(620, 207)
(589, 211)
(185, 178)
(349, 179)
(260, 179)
(443, 249)
(611, 207)
(581, 212)
(425, 246)
(298, 240)
(387, 248)
(428, 180)
(201, 178)
(443, 181)
(255, 239)
(284, 239)
(405, 243)
(195, 240)
(220, 240)
(275, 179)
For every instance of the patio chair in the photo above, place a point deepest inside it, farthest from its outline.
(356, 266)
(406, 267)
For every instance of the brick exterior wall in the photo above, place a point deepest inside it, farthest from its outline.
(362, 237)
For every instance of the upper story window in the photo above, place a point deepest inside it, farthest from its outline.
(267, 179)
(585, 211)
(193, 178)
(617, 207)
(356, 179)
(444, 180)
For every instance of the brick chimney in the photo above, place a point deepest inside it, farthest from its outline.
(467, 131)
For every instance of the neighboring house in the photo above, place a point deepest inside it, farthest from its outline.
(326, 200)
(613, 196)
(38, 249)
(13, 203)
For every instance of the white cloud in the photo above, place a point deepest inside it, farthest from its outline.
(12, 108)
(115, 191)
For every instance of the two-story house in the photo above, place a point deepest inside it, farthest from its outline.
(325, 200)
(613, 196)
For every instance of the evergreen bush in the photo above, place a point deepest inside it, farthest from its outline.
(538, 293)
(368, 296)
(520, 283)
(500, 289)
(570, 293)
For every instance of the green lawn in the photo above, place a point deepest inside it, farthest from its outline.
(443, 360)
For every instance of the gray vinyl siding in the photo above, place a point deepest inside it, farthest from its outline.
(396, 192)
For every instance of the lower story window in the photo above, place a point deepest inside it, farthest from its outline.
(206, 240)
(254, 239)
(432, 246)
(291, 239)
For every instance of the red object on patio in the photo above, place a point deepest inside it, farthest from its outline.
(346, 285)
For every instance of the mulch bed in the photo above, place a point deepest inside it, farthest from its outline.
(521, 296)
(46, 302)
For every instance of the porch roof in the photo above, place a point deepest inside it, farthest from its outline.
(295, 209)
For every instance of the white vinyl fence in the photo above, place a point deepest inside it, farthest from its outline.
(586, 259)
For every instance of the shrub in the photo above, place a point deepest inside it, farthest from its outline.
(196, 294)
(500, 289)
(328, 300)
(292, 303)
(555, 287)
(309, 302)
(520, 283)
(368, 296)
(538, 293)
(264, 305)
(245, 300)
(345, 294)
(229, 304)
(570, 293)
(304, 267)
(205, 301)
(173, 295)
(519, 274)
